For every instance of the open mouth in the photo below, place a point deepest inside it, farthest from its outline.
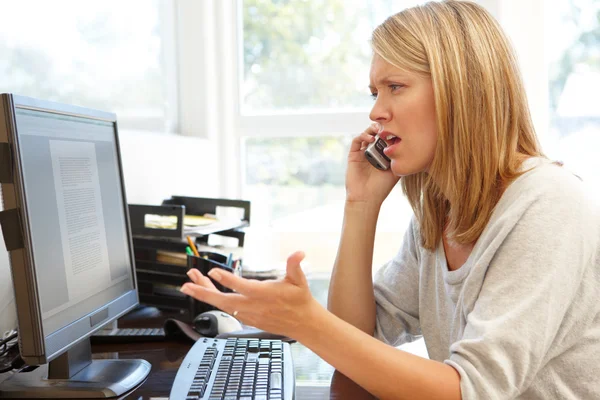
(391, 139)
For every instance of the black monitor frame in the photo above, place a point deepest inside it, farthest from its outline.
(69, 346)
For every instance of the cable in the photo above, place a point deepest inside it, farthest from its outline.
(14, 363)
(10, 357)
(7, 350)
(9, 340)
(8, 336)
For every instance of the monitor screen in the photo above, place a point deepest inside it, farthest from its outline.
(66, 225)
(77, 224)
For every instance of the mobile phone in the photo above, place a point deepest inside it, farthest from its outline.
(375, 156)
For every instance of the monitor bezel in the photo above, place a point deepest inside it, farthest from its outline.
(38, 347)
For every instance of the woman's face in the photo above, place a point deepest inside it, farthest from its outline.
(405, 106)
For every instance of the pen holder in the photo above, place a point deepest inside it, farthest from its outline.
(204, 263)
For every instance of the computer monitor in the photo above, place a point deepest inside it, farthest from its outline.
(66, 226)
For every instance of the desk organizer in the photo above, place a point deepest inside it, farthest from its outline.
(160, 254)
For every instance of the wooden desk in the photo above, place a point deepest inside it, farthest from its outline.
(166, 357)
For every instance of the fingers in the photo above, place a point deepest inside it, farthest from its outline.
(228, 302)
(294, 271)
(198, 278)
(361, 141)
(233, 282)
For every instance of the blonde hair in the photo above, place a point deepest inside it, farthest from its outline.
(484, 125)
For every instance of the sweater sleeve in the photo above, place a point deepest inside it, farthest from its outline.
(529, 288)
(396, 287)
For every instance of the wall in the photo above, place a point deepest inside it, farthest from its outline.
(158, 166)
(155, 167)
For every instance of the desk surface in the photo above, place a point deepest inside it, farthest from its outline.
(314, 378)
(166, 358)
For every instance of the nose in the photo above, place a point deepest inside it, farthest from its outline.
(380, 112)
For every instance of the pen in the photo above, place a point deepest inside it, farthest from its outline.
(193, 246)
(237, 267)
(188, 251)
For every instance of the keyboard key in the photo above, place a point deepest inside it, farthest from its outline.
(276, 381)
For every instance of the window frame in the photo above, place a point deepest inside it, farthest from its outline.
(138, 122)
(221, 50)
(167, 14)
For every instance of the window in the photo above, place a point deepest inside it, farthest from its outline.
(303, 91)
(304, 70)
(573, 49)
(301, 55)
(106, 54)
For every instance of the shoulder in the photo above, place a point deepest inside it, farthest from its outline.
(548, 200)
(546, 186)
(543, 177)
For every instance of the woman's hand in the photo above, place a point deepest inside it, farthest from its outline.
(365, 183)
(281, 306)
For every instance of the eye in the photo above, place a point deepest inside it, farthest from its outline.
(396, 87)
(374, 95)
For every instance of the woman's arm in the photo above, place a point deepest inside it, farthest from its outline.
(286, 307)
(351, 289)
(386, 372)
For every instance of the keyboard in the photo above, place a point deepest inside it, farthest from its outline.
(128, 335)
(236, 368)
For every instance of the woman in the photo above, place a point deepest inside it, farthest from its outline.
(498, 270)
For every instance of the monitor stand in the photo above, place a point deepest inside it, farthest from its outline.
(75, 375)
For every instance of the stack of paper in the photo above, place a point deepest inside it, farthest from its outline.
(197, 225)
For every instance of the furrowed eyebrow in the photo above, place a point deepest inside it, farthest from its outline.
(387, 81)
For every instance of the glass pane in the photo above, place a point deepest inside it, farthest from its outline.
(297, 189)
(291, 175)
(573, 46)
(99, 54)
(303, 55)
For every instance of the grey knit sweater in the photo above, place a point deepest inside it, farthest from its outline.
(520, 319)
